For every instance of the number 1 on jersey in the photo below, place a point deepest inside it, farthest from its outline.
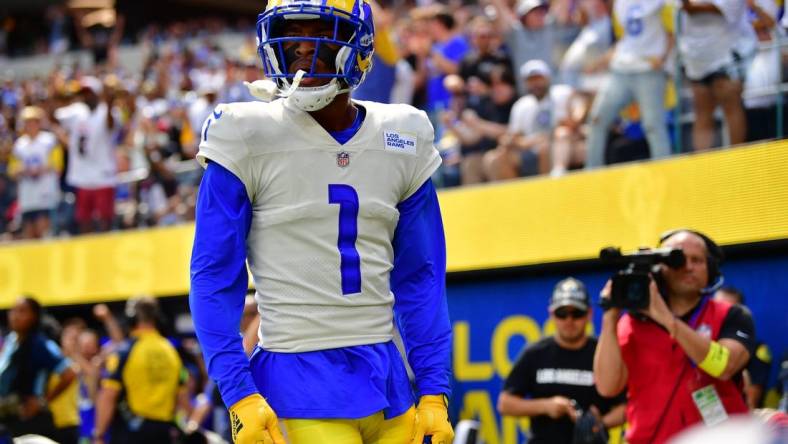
(350, 266)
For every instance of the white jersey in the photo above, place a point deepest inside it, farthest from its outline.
(708, 40)
(644, 36)
(91, 150)
(41, 192)
(315, 202)
(531, 116)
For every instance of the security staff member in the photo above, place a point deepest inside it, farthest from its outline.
(144, 378)
(681, 358)
(552, 379)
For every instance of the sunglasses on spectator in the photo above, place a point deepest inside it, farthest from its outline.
(563, 313)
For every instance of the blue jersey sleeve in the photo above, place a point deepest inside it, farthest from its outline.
(418, 282)
(219, 280)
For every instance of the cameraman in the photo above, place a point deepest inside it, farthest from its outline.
(680, 358)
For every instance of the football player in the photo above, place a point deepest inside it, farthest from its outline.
(330, 203)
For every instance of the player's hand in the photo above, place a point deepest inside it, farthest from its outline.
(432, 419)
(559, 406)
(253, 421)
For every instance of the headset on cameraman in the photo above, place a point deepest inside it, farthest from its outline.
(714, 258)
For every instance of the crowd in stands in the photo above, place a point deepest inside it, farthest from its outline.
(513, 88)
(132, 359)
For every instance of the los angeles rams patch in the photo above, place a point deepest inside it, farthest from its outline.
(399, 142)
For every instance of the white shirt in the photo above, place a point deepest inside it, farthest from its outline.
(42, 192)
(763, 72)
(644, 36)
(91, 150)
(290, 167)
(531, 116)
(592, 42)
(708, 39)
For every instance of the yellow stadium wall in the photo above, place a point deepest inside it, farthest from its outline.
(736, 196)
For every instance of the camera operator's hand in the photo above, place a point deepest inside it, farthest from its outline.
(611, 312)
(658, 310)
(559, 406)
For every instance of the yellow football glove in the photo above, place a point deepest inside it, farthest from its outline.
(253, 421)
(432, 419)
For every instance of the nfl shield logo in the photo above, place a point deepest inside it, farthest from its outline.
(343, 159)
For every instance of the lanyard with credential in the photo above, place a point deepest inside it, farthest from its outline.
(693, 323)
(695, 318)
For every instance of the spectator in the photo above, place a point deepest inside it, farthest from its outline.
(92, 125)
(36, 164)
(552, 381)
(527, 32)
(416, 44)
(390, 79)
(142, 383)
(99, 30)
(637, 71)
(200, 109)
(448, 48)
(486, 53)
(763, 76)
(65, 407)
(89, 358)
(579, 64)
(27, 359)
(680, 359)
(525, 148)
(89, 363)
(707, 45)
(759, 366)
(482, 119)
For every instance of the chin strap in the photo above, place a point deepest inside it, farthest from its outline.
(293, 86)
(266, 90)
(308, 99)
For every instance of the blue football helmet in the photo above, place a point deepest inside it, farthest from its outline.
(353, 35)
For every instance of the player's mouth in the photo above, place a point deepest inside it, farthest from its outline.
(306, 65)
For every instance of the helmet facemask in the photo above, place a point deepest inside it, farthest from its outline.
(340, 45)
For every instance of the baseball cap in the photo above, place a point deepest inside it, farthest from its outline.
(31, 112)
(535, 67)
(526, 6)
(91, 83)
(569, 291)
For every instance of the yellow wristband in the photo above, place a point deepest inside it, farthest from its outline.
(716, 360)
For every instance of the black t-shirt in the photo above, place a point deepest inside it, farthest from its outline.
(488, 110)
(544, 370)
(737, 325)
(481, 65)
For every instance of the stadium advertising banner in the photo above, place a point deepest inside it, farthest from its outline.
(736, 196)
(494, 319)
